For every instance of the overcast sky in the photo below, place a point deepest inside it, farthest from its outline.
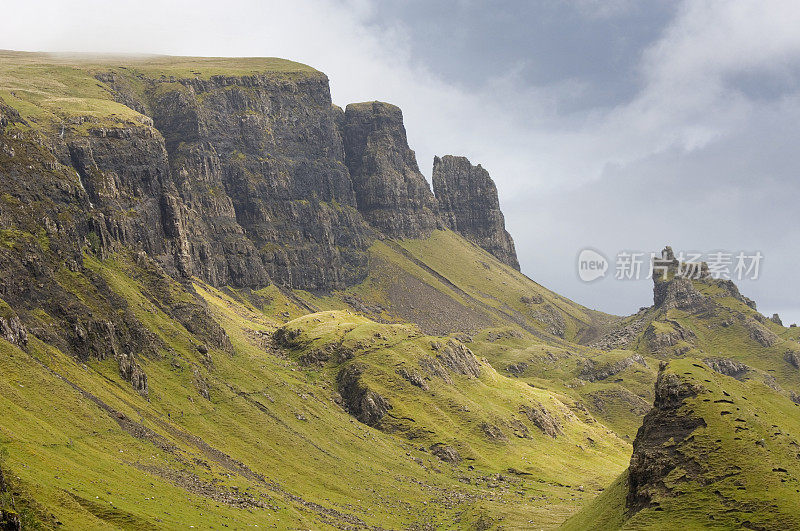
(611, 124)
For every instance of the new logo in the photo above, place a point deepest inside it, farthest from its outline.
(591, 265)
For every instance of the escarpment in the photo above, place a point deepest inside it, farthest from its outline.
(469, 205)
(238, 177)
(257, 165)
(244, 180)
(391, 192)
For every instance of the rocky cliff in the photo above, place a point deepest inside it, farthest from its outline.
(241, 173)
(657, 448)
(255, 174)
(469, 205)
(391, 192)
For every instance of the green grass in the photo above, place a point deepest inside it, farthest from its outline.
(278, 418)
(746, 457)
(51, 91)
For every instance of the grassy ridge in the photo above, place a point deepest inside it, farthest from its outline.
(741, 467)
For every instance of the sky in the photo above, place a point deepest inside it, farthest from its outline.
(615, 125)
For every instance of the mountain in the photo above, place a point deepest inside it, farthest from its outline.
(227, 302)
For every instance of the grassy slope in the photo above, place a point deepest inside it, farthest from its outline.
(749, 473)
(447, 284)
(271, 434)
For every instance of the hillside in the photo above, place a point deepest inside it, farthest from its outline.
(715, 452)
(227, 302)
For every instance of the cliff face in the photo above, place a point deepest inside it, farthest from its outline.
(469, 205)
(258, 187)
(391, 192)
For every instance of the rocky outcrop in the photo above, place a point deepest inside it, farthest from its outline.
(593, 371)
(448, 454)
(679, 293)
(468, 204)
(359, 400)
(728, 367)
(413, 377)
(542, 419)
(661, 335)
(391, 193)
(656, 447)
(620, 337)
(459, 359)
(493, 432)
(11, 328)
(760, 334)
(793, 358)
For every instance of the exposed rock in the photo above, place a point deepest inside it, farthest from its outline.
(793, 357)
(534, 298)
(459, 359)
(620, 337)
(776, 319)
(592, 372)
(413, 377)
(760, 334)
(516, 369)
(9, 115)
(12, 330)
(391, 193)
(359, 400)
(680, 293)
(239, 180)
(286, 337)
(469, 205)
(655, 449)
(728, 367)
(132, 372)
(729, 288)
(543, 419)
(433, 367)
(659, 340)
(270, 151)
(493, 432)
(448, 454)
(201, 384)
(315, 357)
